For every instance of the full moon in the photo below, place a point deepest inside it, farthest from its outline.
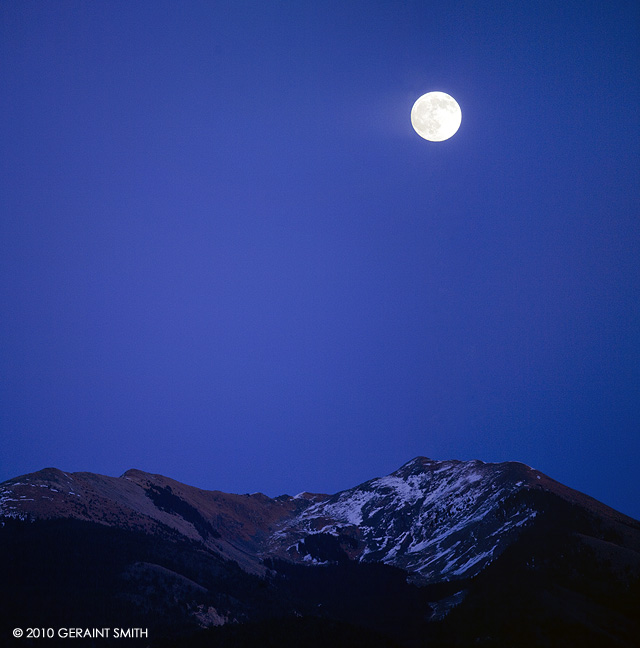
(436, 116)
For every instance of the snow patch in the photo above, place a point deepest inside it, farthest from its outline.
(473, 560)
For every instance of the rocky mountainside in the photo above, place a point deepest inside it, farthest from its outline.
(235, 526)
(438, 520)
(438, 534)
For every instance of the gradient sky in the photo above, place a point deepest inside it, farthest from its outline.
(226, 257)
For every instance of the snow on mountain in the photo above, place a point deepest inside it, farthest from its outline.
(435, 519)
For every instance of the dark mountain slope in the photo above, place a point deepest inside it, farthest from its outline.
(560, 584)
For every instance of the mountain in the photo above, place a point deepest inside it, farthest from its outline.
(438, 553)
(437, 520)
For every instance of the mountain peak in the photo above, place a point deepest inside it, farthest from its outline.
(425, 464)
(132, 472)
(432, 518)
(419, 461)
(135, 474)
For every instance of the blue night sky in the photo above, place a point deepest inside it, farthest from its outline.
(226, 257)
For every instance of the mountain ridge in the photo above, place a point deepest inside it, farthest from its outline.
(432, 518)
(434, 549)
